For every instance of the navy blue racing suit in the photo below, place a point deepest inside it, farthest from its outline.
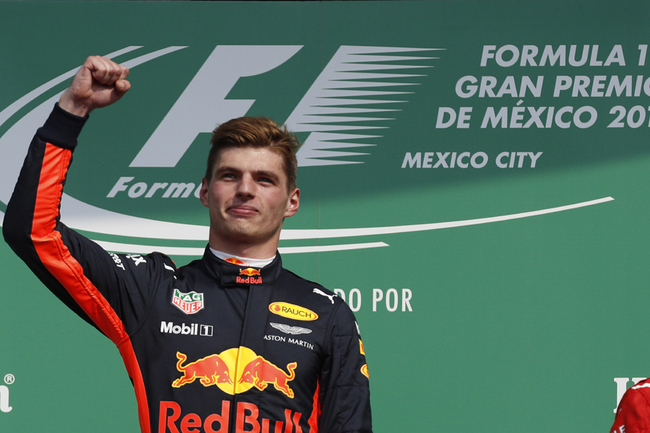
(210, 346)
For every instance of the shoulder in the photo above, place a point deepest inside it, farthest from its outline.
(310, 289)
(147, 264)
(634, 410)
(640, 392)
(326, 303)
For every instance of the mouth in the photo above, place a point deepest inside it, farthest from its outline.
(242, 210)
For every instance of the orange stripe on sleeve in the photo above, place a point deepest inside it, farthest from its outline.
(54, 254)
(56, 257)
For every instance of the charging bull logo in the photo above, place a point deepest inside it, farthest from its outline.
(210, 370)
(249, 272)
(261, 372)
(250, 276)
(235, 371)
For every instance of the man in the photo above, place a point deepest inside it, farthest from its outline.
(633, 412)
(229, 343)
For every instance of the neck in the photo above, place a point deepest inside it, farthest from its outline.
(242, 249)
(244, 261)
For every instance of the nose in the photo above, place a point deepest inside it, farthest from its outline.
(246, 186)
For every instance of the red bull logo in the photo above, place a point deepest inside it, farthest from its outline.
(235, 371)
(234, 261)
(210, 370)
(247, 419)
(261, 373)
(364, 367)
(250, 274)
(364, 370)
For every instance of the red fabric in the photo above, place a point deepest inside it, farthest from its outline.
(633, 414)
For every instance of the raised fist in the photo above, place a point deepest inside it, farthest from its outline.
(98, 83)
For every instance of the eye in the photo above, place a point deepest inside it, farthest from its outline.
(227, 176)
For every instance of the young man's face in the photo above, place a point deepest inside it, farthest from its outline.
(248, 199)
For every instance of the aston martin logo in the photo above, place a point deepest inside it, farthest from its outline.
(292, 330)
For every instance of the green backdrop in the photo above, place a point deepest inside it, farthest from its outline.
(474, 181)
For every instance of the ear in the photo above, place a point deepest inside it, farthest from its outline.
(293, 203)
(203, 195)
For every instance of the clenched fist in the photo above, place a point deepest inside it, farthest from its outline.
(99, 82)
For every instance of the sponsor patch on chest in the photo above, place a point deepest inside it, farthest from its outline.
(292, 311)
(188, 303)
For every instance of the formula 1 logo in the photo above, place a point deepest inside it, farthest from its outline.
(222, 371)
(347, 108)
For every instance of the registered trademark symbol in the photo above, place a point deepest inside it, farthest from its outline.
(9, 379)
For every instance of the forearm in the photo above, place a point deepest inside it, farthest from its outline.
(59, 133)
(31, 217)
(77, 270)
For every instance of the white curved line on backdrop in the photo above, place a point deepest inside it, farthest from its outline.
(15, 142)
(354, 232)
(196, 232)
(369, 231)
(193, 251)
(113, 223)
